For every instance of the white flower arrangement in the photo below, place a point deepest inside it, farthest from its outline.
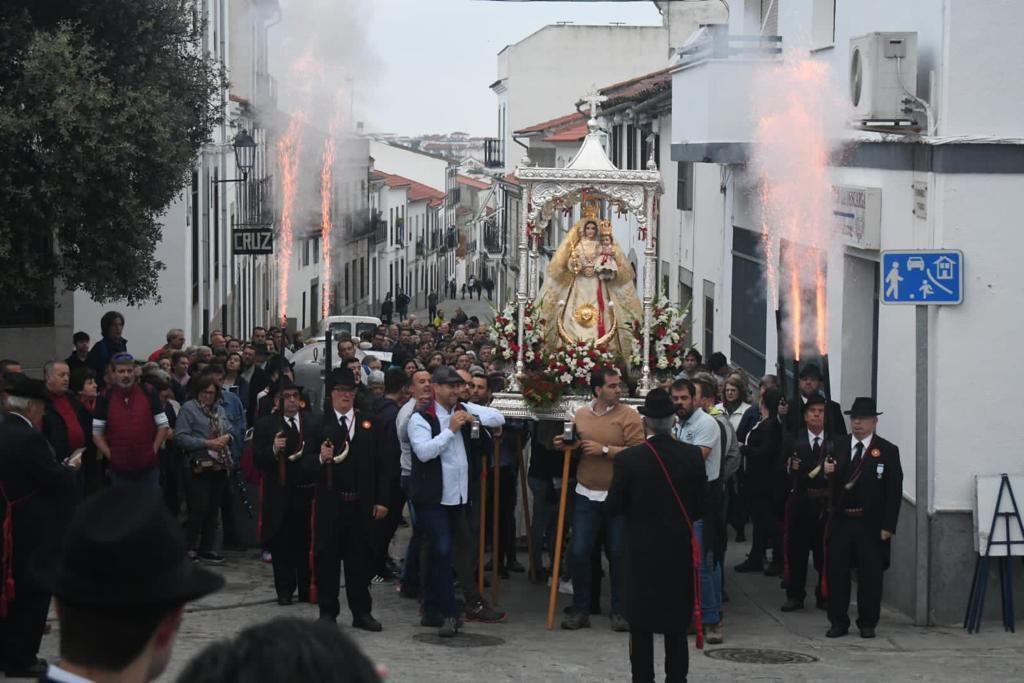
(670, 329)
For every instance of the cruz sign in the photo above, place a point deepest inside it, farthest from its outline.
(249, 241)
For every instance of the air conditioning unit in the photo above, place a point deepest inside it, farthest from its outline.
(883, 71)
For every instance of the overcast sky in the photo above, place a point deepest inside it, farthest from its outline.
(435, 58)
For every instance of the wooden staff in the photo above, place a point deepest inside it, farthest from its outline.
(557, 561)
(483, 529)
(496, 524)
(526, 504)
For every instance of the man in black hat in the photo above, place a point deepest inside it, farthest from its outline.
(805, 507)
(121, 583)
(867, 485)
(809, 384)
(282, 451)
(35, 495)
(351, 492)
(652, 484)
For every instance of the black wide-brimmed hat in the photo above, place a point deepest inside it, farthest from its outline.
(341, 377)
(814, 400)
(811, 371)
(17, 384)
(863, 406)
(123, 549)
(657, 404)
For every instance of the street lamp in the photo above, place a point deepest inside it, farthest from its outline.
(245, 152)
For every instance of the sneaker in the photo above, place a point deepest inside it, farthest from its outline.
(619, 623)
(211, 558)
(576, 621)
(713, 634)
(449, 628)
(481, 611)
(565, 586)
(265, 556)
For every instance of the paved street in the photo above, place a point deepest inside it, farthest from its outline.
(527, 652)
(482, 308)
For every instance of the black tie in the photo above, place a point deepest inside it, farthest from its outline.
(816, 449)
(858, 451)
(344, 426)
(291, 423)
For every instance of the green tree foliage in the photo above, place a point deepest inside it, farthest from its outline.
(104, 106)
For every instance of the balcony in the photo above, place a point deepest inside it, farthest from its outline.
(451, 238)
(493, 156)
(713, 118)
(380, 227)
(492, 237)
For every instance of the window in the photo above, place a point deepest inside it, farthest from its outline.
(709, 317)
(345, 297)
(305, 252)
(684, 185)
(316, 251)
(615, 142)
(769, 17)
(749, 305)
(823, 23)
(362, 276)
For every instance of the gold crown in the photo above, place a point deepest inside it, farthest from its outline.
(590, 208)
(605, 228)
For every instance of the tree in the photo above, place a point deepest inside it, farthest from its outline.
(104, 106)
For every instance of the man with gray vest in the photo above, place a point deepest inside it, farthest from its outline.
(441, 436)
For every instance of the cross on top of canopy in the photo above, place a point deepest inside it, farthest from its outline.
(590, 174)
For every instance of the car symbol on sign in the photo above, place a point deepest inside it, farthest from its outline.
(915, 263)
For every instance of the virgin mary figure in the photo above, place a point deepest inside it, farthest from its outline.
(589, 293)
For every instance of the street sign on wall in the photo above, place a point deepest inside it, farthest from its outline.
(923, 277)
(253, 241)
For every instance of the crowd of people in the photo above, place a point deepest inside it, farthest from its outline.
(404, 435)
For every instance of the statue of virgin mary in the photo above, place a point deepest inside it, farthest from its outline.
(589, 293)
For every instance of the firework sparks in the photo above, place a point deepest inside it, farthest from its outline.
(791, 159)
(326, 183)
(289, 148)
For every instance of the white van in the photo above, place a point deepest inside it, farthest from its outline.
(355, 325)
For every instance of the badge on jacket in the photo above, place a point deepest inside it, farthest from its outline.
(879, 469)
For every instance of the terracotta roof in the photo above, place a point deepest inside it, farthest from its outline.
(571, 134)
(471, 182)
(417, 192)
(566, 120)
(638, 88)
(511, 178)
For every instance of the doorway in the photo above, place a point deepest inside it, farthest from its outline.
(860, 328)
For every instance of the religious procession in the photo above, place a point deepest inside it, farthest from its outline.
(659, 378)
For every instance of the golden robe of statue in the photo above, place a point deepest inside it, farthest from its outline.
(589, 292)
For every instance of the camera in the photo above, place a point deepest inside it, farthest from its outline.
(569, 432)
(474, 429)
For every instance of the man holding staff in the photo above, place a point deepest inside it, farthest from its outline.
(606, 427)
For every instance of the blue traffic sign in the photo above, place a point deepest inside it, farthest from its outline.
(923, 278)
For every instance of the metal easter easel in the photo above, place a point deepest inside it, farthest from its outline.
(976, 602)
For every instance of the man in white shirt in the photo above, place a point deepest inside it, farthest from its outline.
(440, 437)
(698, 428)
(422, 395)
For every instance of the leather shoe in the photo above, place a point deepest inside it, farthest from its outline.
(35, 671)
(367, 623)
(867, 632)
(284, 600)
(837, 631)
(792, 605)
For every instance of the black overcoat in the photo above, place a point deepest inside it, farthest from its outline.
(879, 487)
(658, 590)
(296, 473)
(371, 480)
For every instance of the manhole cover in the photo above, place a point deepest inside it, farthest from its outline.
(461, 640)
(751, 656)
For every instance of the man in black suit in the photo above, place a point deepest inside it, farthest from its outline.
(281, 449)
(805, 507)
(867, 485)
(651, 483)
(352, 490)
(810, 385)
(35, 496)
(121, 582)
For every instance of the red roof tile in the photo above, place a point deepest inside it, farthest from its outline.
(570, 134)
(417, 192)
(640, 87)
(471, 182)
(566, 120)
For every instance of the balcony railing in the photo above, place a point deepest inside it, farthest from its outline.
(380, 227)
(493, 156)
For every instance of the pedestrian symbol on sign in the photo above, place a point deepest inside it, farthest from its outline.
(893, 280)
(926, 290)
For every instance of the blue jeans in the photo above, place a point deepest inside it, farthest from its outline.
(710, 581)
(411, 566)
(150, 477)
(440, 522)
(587, 520)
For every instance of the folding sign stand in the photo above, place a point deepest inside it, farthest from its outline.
(976, 601)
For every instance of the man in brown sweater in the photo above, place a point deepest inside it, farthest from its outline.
(605, 428)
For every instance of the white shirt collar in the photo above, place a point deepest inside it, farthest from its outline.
(350, 416)
(593, 408)
(55, 673)
(866, 441)
(811, 436)
(297, 418)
